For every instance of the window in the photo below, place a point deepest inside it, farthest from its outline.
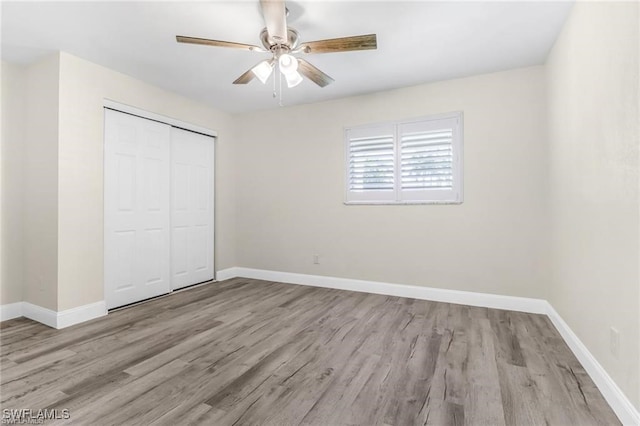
(408, 162)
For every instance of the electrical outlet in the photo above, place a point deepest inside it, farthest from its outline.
(316, 259)
(614, 341)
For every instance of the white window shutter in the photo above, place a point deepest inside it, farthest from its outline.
(413, 161)
(371, 157)
(429, 160)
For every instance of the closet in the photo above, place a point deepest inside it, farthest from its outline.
(158, 208)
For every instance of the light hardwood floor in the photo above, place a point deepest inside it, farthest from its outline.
(254, 352)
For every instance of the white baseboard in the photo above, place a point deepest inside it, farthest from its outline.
(10, 311)
(52, 318)
(80, 314)
(40, 314)
(227, 274)
(520, 304)
(618, 401)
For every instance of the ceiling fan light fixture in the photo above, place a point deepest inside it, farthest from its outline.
(263, 70)
(293, 79)
(288, 64)
(283, 42)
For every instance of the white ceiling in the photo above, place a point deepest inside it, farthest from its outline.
(417, 42)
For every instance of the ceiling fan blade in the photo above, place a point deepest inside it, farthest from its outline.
(343, 44)
(275, 19)
(245, 78)
(313, 73)
(218, 43)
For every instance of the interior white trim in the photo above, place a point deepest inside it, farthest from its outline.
(80, 314)
(38, 313)
(108, 103)
(496, 301)
(618, 401)
(227, 274)
(10, 311)
(51, 318)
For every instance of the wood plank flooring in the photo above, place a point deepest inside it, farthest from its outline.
(244, 352)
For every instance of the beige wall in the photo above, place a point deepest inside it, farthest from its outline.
(52, 176)
(13, 109)
(290, 184)
(40, 196)
(592, 76)
(83, 86)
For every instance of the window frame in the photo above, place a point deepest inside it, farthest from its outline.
(399, 196)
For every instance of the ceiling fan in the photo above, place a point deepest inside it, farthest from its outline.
(283, 43)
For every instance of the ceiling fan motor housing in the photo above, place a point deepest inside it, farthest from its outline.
(293, 39)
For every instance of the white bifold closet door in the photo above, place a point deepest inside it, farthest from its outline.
(136, 197)
(155, 175)
(191, 208)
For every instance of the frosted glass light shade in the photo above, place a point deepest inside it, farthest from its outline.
(288, 64)
(263, 70)
(293, 79)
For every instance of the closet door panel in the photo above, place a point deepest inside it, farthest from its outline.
(137, 211)
(192, 194)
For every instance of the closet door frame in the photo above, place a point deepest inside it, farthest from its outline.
(117, 106)
(128, 109)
